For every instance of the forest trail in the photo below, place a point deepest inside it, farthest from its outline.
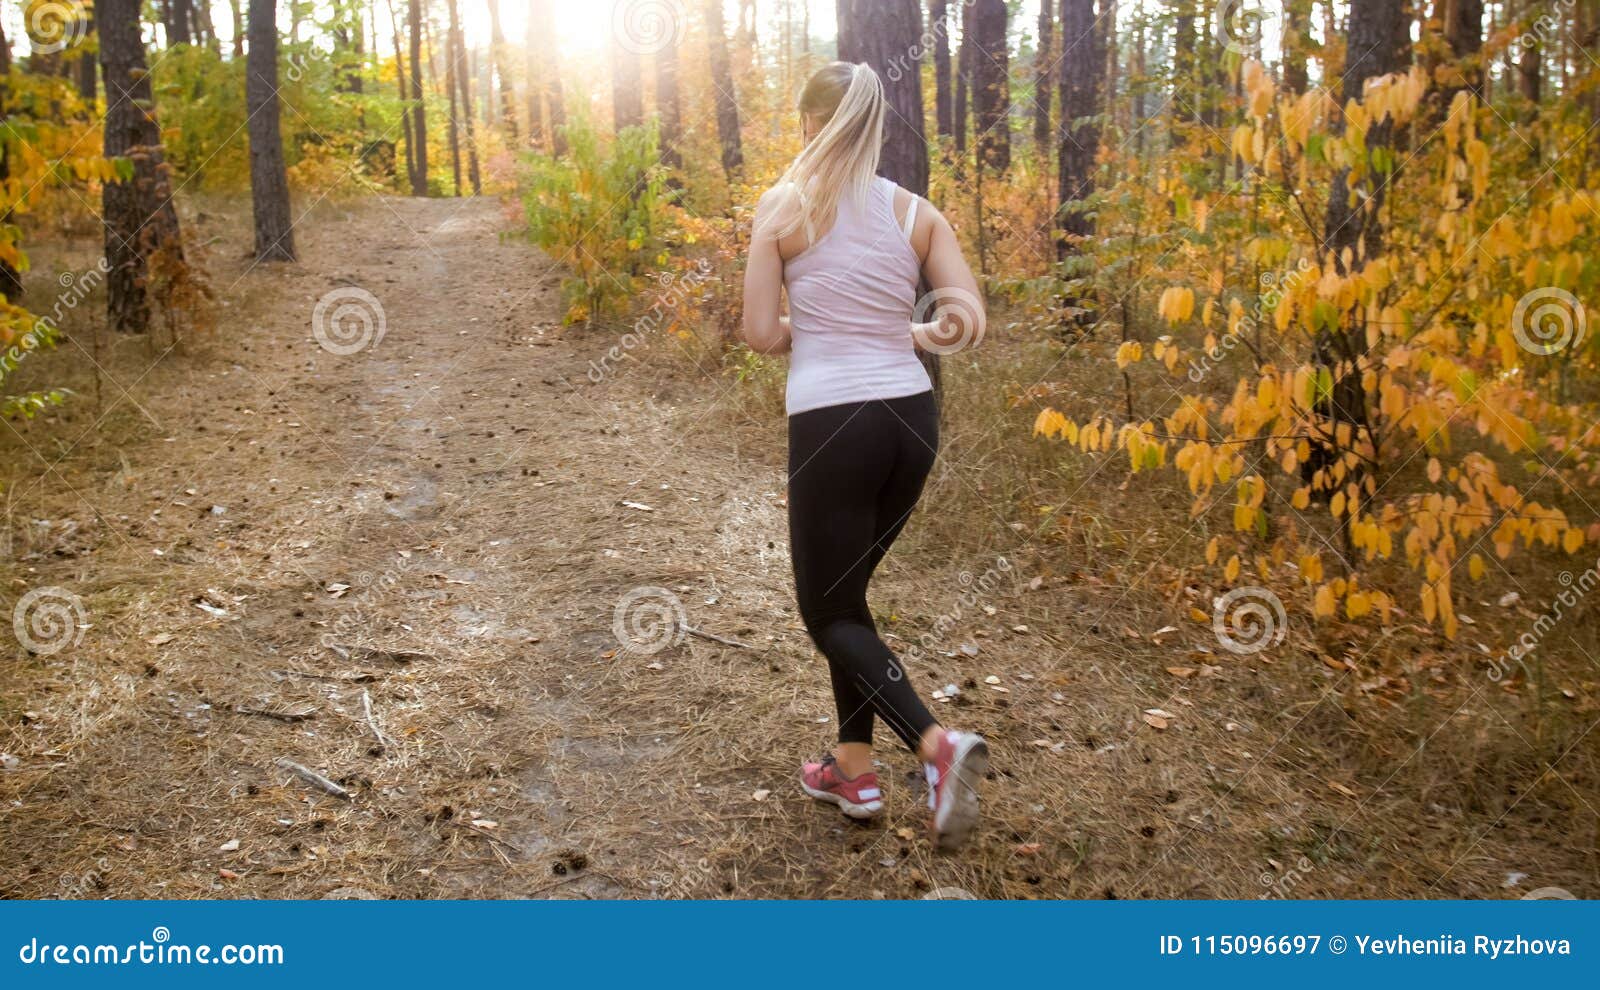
(447, 525)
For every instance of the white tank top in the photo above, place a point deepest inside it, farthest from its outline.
(851, 295)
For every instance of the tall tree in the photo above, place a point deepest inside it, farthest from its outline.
(269, 182)
(879, 33)
(400, 77)
(1296, 42)
(1081, 103)
(723, 95)
(991, 83)
(502, 68)
(550, 75)
(535, 72)
(667, 107)
(1185, 106)
(452, 67)
(179, 22)
(10, 278)
(419, 111)
(464, 81)
(138, 213)
(85, 68)
(627, 90)
(236, 7)
(1042, 57)
(1353, 228)
(963, 83)
(939, 27)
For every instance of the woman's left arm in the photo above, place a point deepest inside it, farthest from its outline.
(764, 329)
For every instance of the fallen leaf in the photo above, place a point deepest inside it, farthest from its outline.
(1181, 671)
(232, 845)
(1155, 721)
(1347, 792)
(161, 639)
(1159, 713)
(991, 679)
(227, 874)
(484, 823)
(1028, 849)
(761, 795)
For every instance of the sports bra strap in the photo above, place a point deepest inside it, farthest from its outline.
(909, 223)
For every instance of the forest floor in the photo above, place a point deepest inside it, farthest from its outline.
(459, 510)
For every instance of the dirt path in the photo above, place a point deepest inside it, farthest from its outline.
(444, 525)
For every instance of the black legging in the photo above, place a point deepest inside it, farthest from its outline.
(855, 472)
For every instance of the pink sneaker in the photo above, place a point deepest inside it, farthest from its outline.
(858, 797)
(953, 779)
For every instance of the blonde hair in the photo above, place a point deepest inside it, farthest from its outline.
(843, 158)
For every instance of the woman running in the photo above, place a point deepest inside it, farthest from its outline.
(850, 248)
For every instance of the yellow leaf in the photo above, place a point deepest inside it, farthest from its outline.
(1231, 571)
(1475, 567)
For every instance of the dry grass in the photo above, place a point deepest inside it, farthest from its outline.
(469, 470)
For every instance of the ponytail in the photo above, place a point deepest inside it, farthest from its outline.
(843, 158)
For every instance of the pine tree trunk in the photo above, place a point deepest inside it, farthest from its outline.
(502, 67)
(939, 26)
(10, 278)
(86, 69)
(722, 83)
(1081, 98)
(879, 33)
(1354, 233)
(667, 107)
(1042, 59)
(1183, 69)
(549, 69)
(453, 94)
(179, 22)
(419, 112)
(464, 81)
(627, 91)
(991, 84)
(138, 213)
(963, 85)
(269, 183)
(535, 108)
(403, 90)
(236, 7)
(1296, 36)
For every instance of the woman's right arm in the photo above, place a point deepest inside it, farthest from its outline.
(764, 329)
(960, 315)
